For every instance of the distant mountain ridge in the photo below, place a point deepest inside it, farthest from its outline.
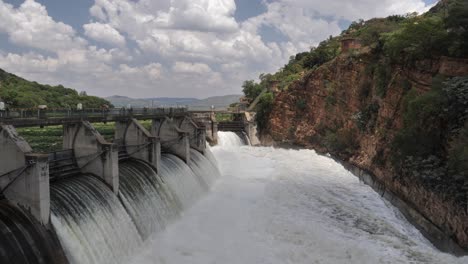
(219, 102)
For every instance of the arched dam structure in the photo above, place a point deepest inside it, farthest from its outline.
(98, 201)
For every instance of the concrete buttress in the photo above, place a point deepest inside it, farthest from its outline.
(138, 142)
(173, 139)
(24, 177)
(92, 152)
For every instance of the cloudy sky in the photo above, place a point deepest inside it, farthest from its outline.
(178, 48)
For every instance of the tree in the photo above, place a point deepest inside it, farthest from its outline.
(419, 38)
(251, 89)
(456, 22)
(264, 107)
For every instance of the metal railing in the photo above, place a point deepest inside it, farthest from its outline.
(40, 114)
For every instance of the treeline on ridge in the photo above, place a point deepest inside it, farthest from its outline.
(17, 92)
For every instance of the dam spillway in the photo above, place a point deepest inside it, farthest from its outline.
(96, 226)
(90, 221)
(97, 201)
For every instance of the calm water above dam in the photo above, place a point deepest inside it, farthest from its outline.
(287, 206)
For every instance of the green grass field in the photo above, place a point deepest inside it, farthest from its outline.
(49, 139)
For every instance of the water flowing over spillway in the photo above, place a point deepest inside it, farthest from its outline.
(288, 206)
(148, 200)
(90, 221)
(96, 226)
(229, 140)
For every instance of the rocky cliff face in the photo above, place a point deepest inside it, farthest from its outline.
(338, 108)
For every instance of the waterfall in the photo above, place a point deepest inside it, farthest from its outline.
(146, 197)
(186, 186)
(22, 241)
(209, 155)
(90, 221)
(229, 139)
(203, 168)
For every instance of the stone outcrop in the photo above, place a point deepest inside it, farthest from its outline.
(331, 97)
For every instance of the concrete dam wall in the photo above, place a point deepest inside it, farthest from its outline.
(97, 201)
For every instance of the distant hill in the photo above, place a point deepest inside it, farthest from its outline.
(17, 92)
(219, 102)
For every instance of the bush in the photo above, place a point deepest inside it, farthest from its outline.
(382, 76)
(264, 107)
(342, 142)
(366, 118)
(456, 23)
(456, 91)
(431, 119)
(419, 38)
(301, 104)
(458, 155)
(365, 88)
(326, 51)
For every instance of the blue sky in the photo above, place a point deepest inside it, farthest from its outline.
(149, 48)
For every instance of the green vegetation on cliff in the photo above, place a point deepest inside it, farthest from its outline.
(430, 144)
(20, 93)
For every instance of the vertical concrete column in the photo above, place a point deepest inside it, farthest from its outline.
(214, 128)
(173, 139)
(214, 132)
(92, 152)
(25, 176)
(251, 128)
(139, 142)
(201, 139)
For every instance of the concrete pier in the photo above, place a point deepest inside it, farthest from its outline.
(138, 142)
(208, 121)
(173, 139)
(24, 177)
(92, 152)
(197, 135)
(251, 128)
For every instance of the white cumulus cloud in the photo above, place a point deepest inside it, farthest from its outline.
(185, 67)
(104, 33)
(173, 47)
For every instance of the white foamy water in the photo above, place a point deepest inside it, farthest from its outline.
(229, 140)
(288, 206)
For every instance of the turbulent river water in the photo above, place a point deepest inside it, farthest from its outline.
(287, 206)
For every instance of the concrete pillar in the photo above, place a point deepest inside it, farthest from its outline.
(24, 176)
(92, 152)
(251, 128)
(209, 125)
(197, 135)
(214, 130)
(139, 142)
(173, 139)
